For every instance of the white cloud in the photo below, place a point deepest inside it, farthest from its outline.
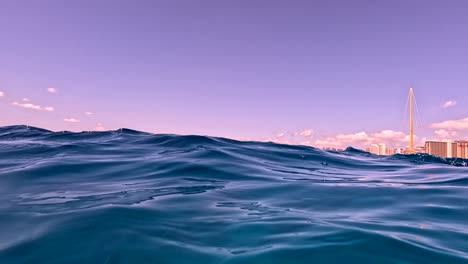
(363, 139)
(27, 105)
(89, 113)
(344, 140)
(99, 127)
(390, 134)
(52, 90)
(240, 138)
(444, 134)
(360, 139)
(2, 94)
(32, 106)
(26, 100)
(298, 137)
(449, 104)
(278, 140)
(457, 124)
(71, 120)
(306, 133)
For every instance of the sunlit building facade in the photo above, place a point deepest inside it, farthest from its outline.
(461, 148)
(374, 149)
(380, 149)
(439, 148)
(447, 149)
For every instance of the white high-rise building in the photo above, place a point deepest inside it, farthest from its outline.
(449, 149)
(374, 149)
(382, 149)
(379, 149)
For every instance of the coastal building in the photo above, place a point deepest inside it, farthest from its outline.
(438, 148)
(461, 149)
(374, 149)
(389, 151)
(420, 149)
(382, 149)
(332, 149)
(445, 149)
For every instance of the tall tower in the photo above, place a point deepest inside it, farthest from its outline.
(411, 142)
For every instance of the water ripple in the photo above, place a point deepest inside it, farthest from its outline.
(130, 197)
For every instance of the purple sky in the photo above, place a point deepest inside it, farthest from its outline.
(264, 70)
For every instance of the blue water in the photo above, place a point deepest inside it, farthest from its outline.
(131, 197)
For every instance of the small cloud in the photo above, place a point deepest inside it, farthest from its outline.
(99, 127)
(27, 105)
(71, 120)
(2, 94)
(89, 113)
(52, 90)
(449, 104)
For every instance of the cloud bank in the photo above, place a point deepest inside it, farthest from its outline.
(360, 139)
(456, 124)
(364, 139)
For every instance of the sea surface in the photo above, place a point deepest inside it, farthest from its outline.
(131, 197)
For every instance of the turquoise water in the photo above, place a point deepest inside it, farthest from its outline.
(131, 197)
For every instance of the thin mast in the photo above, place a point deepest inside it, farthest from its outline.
(411, 144)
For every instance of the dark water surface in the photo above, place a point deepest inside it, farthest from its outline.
(131, 197)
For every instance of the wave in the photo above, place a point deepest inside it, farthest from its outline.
(126, 196)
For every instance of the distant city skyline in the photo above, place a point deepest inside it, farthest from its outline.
(444, 149)
(319, 73)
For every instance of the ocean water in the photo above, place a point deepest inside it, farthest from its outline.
(131, 197)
